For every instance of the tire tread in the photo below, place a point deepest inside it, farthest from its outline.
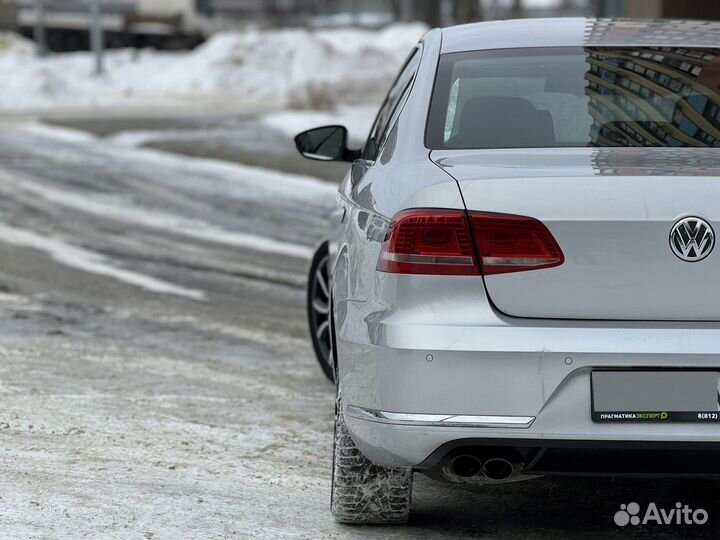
(363, 492)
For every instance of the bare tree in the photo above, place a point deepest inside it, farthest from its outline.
(517, 9)
(396, 9)
(601, 8)
(465, 11)
(429, 11)
(8, 15)
(404, 10)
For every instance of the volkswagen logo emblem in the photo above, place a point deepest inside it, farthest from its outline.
(692, 239)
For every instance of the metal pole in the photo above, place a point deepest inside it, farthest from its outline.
(96, 36)
(495, 11)
(407, 10)
(355, 13)
(39, 33)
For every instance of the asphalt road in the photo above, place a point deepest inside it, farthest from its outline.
(156, 378)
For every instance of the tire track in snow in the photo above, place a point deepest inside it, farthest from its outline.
(121, 210)
(91, 262)
(51, 177)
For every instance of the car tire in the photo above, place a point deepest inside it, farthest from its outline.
(364, 493)
(319, 309)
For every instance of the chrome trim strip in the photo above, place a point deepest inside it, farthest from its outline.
(427, 259)
(518, 262)
(440, 420)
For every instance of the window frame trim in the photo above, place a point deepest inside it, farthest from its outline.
(417, 49)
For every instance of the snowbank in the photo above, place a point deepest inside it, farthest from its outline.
(14, 44)
(276, 69)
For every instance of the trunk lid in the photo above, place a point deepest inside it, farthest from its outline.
(612, 211)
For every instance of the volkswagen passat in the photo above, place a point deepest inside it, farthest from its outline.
(521, 278)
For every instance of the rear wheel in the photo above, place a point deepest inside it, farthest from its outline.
(318, 308)
(362, 492)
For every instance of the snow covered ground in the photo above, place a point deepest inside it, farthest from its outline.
(261, 69)
(357, 118)
(286, 123)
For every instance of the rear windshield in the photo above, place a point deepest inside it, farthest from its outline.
(576, 97)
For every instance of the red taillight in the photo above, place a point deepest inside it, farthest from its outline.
(507, 243)
(428, 241)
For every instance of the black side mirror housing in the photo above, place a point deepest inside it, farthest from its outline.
(326, 143)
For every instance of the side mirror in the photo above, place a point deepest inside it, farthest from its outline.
(327, 143)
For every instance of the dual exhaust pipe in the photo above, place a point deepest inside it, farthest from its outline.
(462, 467)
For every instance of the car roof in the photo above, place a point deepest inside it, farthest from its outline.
(579, 32)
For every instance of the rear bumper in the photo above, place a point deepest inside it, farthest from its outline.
(564, 421)
(412, 385)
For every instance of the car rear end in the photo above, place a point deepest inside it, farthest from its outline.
(566, 318)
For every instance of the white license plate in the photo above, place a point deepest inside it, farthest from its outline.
(655, 396)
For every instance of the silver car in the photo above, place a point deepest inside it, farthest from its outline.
(521, 278)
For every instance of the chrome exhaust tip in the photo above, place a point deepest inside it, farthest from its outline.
(466, 466)
(498, 469)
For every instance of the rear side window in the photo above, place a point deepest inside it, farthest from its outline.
(391, 105)
(576, 97)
